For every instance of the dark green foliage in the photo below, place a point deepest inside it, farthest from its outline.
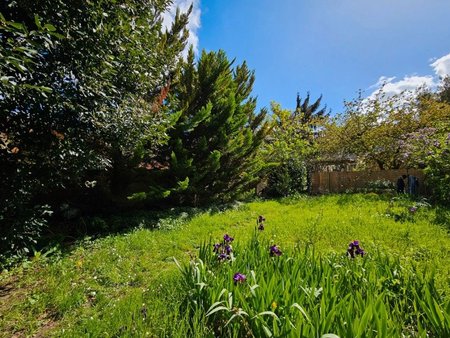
(79, 99)
(291, 147)
(444, 90)
(309, 112)
(379, 186)
(438, 172)
(287, 179)
(438, 158)
(211, 152)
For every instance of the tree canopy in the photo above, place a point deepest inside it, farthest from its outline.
(80, 91)
(291, 146)
(211, 153)
(371, 129)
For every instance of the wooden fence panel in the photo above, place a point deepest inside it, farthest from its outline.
(343, 181)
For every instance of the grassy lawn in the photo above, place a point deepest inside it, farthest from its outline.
(129, 285)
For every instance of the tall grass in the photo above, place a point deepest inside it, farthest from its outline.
(305, 294)
(128, 284)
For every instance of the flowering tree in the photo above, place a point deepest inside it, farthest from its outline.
(429, 147)
(404, 130)
(372, 129)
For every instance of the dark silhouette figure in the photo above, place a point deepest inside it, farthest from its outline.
(401, 184)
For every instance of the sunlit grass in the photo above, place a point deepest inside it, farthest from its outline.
(129, 285)
(301, 293)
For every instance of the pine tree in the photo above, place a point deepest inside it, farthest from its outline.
(309, 112)
(211, 154)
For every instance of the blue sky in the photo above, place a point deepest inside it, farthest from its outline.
(329, 47)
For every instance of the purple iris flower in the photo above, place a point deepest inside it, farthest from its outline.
(228, 249)
(355, 249)
(217, 247)
(239, 278)
(275, 251)
(351, 253)
(223, 256)
(360, 251)
(261, 226)
(227, 238)
(261, 219)
(412, 210)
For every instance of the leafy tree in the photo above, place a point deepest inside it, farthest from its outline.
(81, 84)
(290, 147)
(444, 90)
(211, 154)
(428, 147)
(372, 129)
(405, 130)
(286, 149)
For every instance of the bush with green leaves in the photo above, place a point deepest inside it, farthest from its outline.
(290, 147)
(381, 185)
(437, 169)
(80, 100)
(287, 179)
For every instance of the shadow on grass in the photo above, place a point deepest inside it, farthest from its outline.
(64, 236)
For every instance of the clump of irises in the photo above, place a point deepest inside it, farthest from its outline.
(260, 222)
(274, 250)
(224, 250)
(354, 250)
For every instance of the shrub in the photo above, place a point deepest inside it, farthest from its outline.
(287, 179)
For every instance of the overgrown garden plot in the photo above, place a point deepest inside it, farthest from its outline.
(129, 284)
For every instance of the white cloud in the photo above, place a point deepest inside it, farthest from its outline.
(381, 81)
(442, 66)
(391, 86)
(194, 19)
(409, 83)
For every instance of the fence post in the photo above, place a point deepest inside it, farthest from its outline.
(329, 182)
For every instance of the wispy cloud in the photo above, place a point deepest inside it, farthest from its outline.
(442, 66)
(194, 18)
(392, 86)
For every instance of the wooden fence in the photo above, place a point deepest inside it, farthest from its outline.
(344, 181)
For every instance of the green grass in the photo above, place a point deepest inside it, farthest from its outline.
(128, 284)
(305, 294)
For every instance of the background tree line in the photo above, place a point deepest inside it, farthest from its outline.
(407, 130)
